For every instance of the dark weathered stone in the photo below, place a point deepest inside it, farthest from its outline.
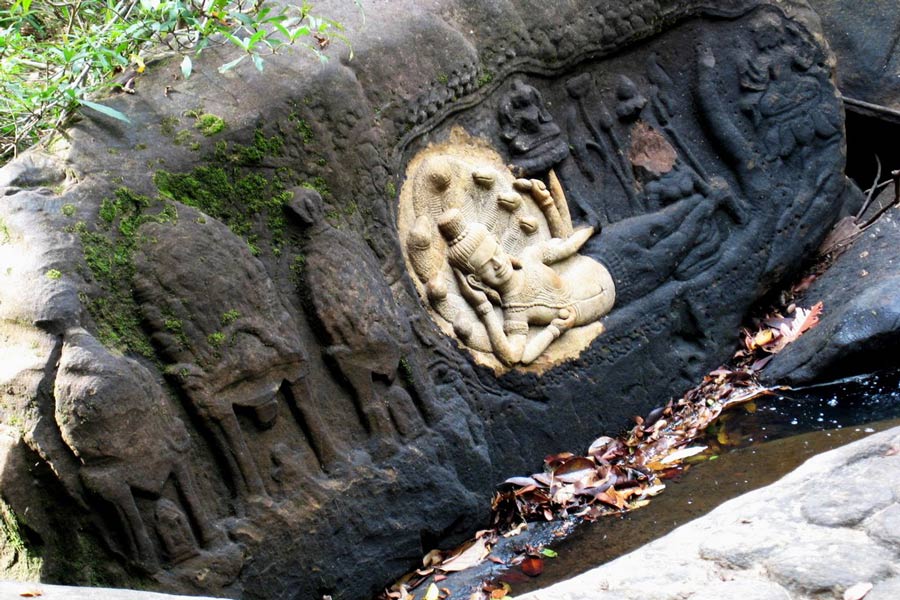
(859, 330)
(865, 37)
(271, 389)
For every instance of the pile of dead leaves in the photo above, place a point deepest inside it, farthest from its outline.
(620, 474)
(615, 475)
(774, 333)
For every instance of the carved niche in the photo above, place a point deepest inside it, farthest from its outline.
(496, 258)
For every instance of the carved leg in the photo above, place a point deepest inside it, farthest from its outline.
(227, 432)
(111, 486)
(298, 394)
(405, 414)
(424, 387)
(373, 408)
(209, 534)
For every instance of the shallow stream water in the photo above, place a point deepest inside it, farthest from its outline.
(749, 447)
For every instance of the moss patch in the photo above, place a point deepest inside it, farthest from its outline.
(168, 126)
(18, 559)
(182, 137)
(485, 78)
(250, 204)
(209, 124)
(108, 249)
(318, 184)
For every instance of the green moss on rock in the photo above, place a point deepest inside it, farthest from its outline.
(209, 124)
(20, 560)
(108, 249)
(249, 203)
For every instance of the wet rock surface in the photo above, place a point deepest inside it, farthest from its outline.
(780, 541)
(307, 427)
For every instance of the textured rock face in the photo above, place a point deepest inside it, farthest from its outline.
(217, 357)
(860, 328)
(866, 39)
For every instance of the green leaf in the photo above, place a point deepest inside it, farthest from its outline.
(186, 66)
(229, 66)
(549, 553)
(106, 110)
(258, 61)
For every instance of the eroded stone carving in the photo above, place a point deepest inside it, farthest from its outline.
(497, 257)
(368, 337)
(115, 418)
(227, 339)
(527, 126)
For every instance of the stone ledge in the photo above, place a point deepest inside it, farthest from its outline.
(17, 589)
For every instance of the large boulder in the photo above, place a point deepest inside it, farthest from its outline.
(284, 276)
(859, 331)
(865, 36)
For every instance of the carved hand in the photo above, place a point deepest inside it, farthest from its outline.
(565, 320)
(474, 297)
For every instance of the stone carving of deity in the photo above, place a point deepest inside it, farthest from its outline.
(496, 258)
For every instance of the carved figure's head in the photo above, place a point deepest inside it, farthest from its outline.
(306, 204)
(474, 250)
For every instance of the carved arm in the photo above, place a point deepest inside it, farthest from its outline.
(507, 343)
(560, 249)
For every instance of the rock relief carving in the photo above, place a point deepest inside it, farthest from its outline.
(227, 340)
(367, 334)
(114, 417)
(497, 258)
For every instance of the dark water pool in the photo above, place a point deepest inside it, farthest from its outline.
(748, 448)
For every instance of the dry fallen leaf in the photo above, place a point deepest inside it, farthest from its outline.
(532, 566)
(469, 557)
(682, 454)
(31, 593)
(432, 593)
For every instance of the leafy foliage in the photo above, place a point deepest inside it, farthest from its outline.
(57, 56)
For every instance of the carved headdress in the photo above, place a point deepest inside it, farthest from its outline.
(469, 245)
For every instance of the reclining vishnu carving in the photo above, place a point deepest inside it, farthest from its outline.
(497, 259)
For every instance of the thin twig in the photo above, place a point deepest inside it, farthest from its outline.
(871, 195)
(896, 179)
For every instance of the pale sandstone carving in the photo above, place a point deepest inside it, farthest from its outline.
(497, 258)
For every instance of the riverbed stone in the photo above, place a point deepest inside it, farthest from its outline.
(12, 589)
(312, 427)
(844, 506)
(724, 553)
(814, 567)
(885, 526)
(885, 590)
(745, 590)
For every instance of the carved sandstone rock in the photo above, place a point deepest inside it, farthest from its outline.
(496, 257)
(351, 377)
